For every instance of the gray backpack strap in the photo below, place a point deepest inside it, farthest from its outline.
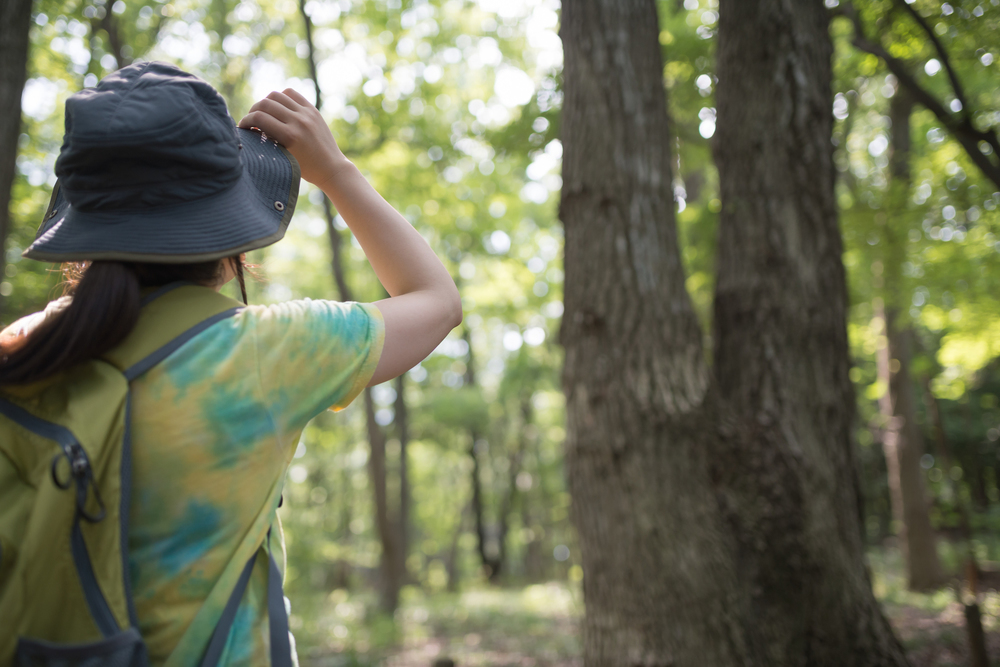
(221, 634)
(81, 476)
(281, 648)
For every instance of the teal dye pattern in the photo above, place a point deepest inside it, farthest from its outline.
(215, 426)
(200, 529)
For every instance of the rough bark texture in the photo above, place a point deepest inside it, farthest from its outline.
(719, 518)
(659, 578)
(902, 440)
(788, 483)
(15, 24)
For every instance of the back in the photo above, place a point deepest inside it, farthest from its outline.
(214, 426)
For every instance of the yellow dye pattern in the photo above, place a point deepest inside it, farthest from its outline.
(214, 427)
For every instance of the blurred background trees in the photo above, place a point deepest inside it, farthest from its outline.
(452, 108)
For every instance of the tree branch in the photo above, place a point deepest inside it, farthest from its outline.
(960, 127)
(956, 85)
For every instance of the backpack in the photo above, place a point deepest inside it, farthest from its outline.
(65, 486)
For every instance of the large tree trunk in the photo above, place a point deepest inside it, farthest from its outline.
(719, 520)
(902, 440)
(15, 25)
(659, 584)
(788, 479)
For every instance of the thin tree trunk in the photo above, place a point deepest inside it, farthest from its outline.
(902, 440)
(402, 423)
(344, 535)
(484, 547)
(389, 573)
(788, 480)
(451, 559)
(511, 494)
(108, 22)
(15, 26)
(969, 598)
(391, 581)
(744, 486)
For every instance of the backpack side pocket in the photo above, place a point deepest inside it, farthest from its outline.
(124, 649)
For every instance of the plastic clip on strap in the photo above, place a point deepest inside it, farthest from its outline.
(281, 648)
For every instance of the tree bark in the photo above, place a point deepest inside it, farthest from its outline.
(659, 583)
(719, 517)
(789, 482)
(15, 26)
(901, 437)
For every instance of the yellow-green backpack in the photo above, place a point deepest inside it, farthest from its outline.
(65, 486)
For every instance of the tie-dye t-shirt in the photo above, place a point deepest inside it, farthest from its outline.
(214, 427)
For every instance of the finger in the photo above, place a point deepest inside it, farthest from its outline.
(270, 125)
(283, 99)
(274, 108)
(297, 97)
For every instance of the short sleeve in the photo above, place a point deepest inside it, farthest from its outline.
(314, 355)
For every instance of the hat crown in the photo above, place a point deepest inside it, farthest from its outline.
(148, 135)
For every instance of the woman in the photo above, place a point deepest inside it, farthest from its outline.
(157, 185)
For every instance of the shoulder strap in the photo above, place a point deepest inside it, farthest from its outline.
(170, 317)
(281, 648)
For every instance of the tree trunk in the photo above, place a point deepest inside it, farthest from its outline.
(402, 423)
(789, 479)
(902, 440)
(389, 563)
(659, 584)
(743, 486)
(389, 573)
(510, 495)
(485, 547)
(15, 26)
(344, 535)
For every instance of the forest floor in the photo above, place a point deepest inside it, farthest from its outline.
(538, 625)
(931, 626)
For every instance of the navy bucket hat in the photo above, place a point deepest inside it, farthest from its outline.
(153, 169)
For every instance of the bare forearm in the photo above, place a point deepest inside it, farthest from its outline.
(402, 260)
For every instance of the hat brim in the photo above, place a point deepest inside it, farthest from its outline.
(252, 213)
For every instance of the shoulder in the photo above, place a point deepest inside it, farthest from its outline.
(29, 323)
(313, 323)
(311, 313)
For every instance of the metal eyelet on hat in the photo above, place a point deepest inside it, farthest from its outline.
(279, 206)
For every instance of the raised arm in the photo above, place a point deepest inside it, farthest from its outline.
(423, 304)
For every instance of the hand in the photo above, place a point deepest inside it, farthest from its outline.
(292, 121)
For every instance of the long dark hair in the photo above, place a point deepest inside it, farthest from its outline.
(103, 310)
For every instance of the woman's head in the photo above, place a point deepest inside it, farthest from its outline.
(155, 185)
(153, 169)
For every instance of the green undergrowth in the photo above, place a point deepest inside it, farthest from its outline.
(533, 625)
